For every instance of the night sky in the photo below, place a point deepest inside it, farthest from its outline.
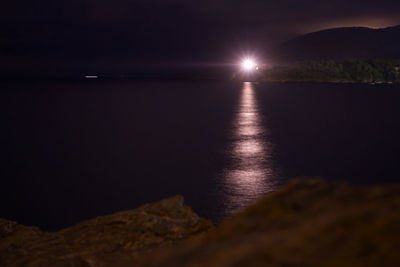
(78, 35)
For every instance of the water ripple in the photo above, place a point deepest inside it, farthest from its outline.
(250, 174)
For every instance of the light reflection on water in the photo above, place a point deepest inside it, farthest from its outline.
(250, 174)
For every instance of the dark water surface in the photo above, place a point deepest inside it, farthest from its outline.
(76, 150)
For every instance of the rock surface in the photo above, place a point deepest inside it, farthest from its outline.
(308, 222)
(113, 240)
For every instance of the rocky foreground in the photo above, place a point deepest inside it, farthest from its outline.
(306, 223)
(114, 240)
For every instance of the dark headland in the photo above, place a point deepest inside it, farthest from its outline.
(352, 54)
(339, 44)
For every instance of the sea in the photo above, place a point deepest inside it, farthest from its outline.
(74, 150)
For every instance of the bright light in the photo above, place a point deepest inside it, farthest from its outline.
(248, 64)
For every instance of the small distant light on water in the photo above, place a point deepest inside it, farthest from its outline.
(249, 64)
(91, 77)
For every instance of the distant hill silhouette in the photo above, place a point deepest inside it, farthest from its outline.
(341, 44)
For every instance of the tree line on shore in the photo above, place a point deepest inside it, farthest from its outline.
(352, 70)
